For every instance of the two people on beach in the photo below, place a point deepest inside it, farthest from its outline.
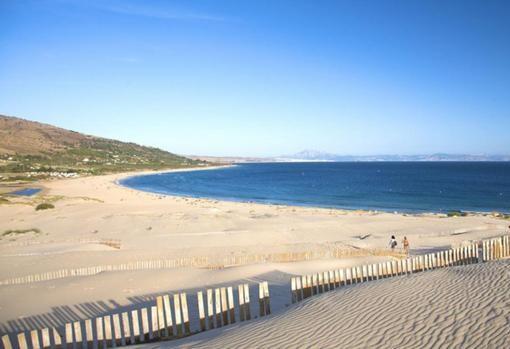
(405, 244)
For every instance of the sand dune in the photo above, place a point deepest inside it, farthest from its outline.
(459, 307)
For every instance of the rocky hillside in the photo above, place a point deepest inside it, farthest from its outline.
(29, 149)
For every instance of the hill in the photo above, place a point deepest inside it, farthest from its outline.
(31, 149)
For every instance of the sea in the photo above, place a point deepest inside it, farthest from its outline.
(412, 187)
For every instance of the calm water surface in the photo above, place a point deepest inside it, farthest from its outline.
(26, 192)
(389, 186)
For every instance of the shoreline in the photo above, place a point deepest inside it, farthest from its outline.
(128, 175)
(118, 177)
(293, 204)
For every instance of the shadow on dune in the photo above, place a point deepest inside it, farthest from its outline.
(279, 285)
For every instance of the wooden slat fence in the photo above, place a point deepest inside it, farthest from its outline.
(169, 317)
(204, 262)
(306, 286)
(496, 248)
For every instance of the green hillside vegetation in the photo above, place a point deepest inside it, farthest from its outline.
(30, 150)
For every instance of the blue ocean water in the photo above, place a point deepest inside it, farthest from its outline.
(385, 186)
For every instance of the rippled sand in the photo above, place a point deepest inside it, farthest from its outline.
(459, 307)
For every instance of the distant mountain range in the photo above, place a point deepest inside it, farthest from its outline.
(316, 156)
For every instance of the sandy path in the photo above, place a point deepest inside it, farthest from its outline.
(459, 307)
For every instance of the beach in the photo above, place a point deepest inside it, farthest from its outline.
(91, 210)
(461, 307)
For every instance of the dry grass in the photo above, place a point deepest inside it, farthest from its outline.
(21, 231)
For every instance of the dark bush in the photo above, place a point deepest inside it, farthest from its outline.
(44, 206)
(456, 214)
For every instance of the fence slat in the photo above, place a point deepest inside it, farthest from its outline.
(126, 328)
(293, 291)
(331, 277)
(240, 293)
(320, 283)
(224, 309)
(45, 336)
(304, 283)
(325, 280)
(137, 335)
(116, 330)
(218, 307)
(299, 289)
(185, 316)
(108, 331)
(153, 332)
(247, 302)
(337, 278)
(34, 336)
(267, 304)
(231, 305)
(161, 316)
(69, 335)
(22, 341)
(6, 341)
(210, 309)
(262, 308)
(89, 335)
(201, 310)
(168, 316)
(57, 339)
(99, 333)
(178, 317)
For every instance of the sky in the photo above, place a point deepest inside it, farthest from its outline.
(264, 77)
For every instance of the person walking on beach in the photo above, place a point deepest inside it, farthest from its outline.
(405, 244)
(393, 242)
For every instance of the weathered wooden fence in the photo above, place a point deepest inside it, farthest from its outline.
(170, 317)
(167, 318)
(496, 248)
(308, 285)
(203, 262)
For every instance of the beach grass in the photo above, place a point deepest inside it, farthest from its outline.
(20, 231)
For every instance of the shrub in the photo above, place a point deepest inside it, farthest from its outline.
(44, 206)
(456, 214)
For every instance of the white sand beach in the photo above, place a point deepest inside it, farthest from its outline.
(151, 226)
(459, 307)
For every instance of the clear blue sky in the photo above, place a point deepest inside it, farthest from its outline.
(262, 77)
